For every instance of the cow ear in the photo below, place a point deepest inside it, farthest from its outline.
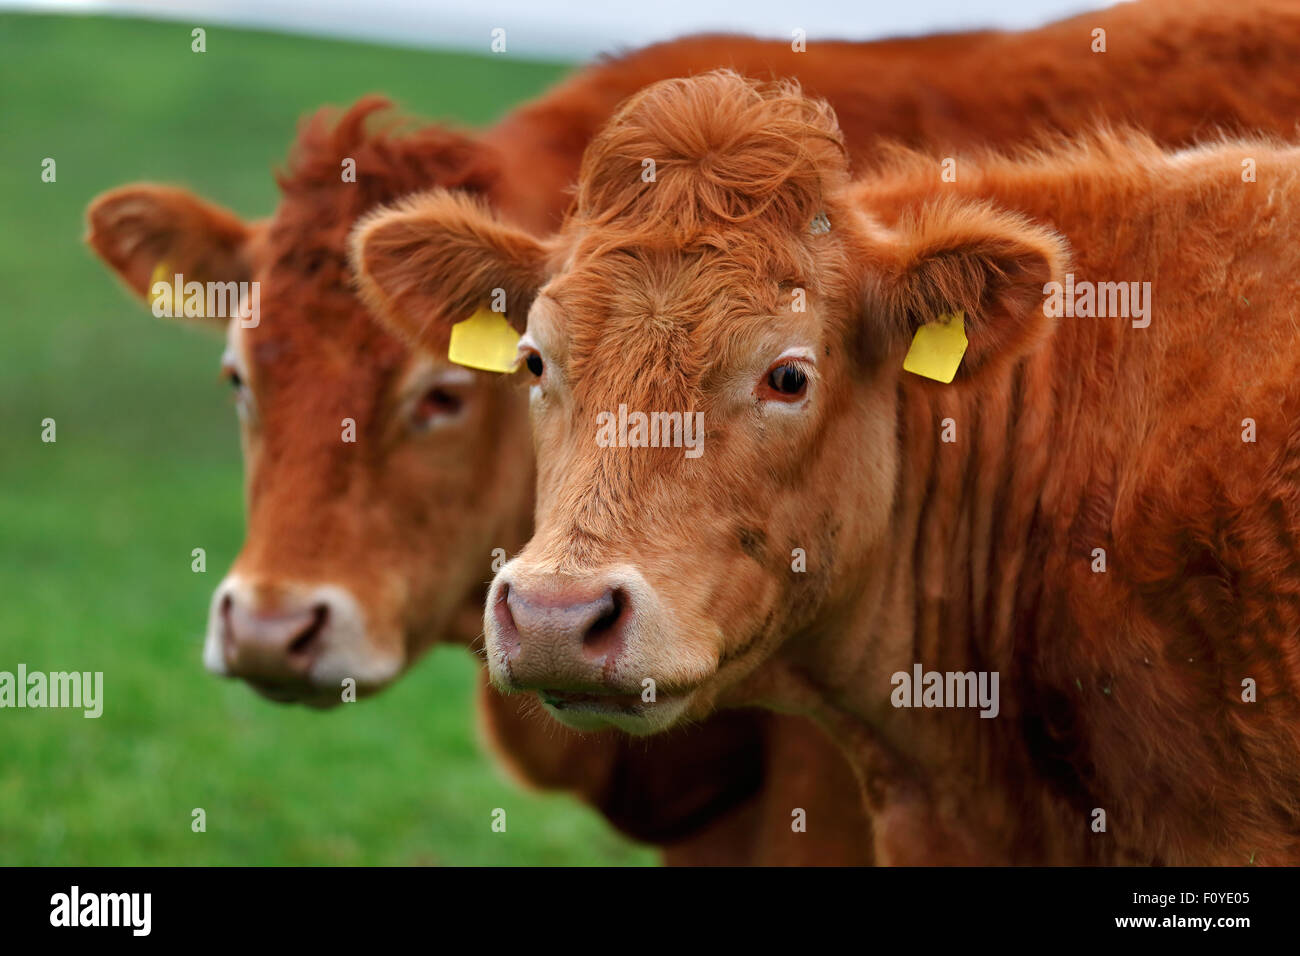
(986, 266)
(141, 229)
(432, 260)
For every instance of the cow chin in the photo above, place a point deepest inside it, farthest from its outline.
(593, 713)
(324, 687)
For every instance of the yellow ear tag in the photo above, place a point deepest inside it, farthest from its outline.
(484, 341)
(161, 273)
(938, 347)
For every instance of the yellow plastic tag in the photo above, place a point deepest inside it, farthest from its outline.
(938, 347)
(484, 341)
(161, 273)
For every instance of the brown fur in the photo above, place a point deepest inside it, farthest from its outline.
(956, 90)
(384, 521)
(1120, 691)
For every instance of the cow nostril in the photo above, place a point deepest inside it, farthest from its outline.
(304, 645)
(606, 631)
(227, 632)
(505, 618)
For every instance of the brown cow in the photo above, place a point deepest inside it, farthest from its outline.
(1178, 68)
(389, 601)
(394, 535)
(1092, 536)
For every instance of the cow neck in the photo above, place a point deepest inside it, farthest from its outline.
(992, 515)
(950, 588)
(965, 531)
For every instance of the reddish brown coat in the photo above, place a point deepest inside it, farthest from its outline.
(951, 91)
(1160, 691)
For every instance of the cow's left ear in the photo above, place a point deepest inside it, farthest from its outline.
(948, 258)
(430, 261)
(141, 228)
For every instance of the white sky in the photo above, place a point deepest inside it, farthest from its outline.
(571, 29)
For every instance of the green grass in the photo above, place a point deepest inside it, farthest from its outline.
(96, 529)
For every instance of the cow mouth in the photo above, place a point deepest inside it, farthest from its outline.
(630, 704)
(592, 711)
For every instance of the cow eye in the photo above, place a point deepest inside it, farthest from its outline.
(787, 382)
(535, 364)
(232, 372)
(237, 384)
(436, 404)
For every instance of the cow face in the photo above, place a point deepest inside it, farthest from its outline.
(670, 559)
(374, 486)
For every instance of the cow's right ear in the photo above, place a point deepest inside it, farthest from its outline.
(138, 229)
(965, 262)
(430, 261)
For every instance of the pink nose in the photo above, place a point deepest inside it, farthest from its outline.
(556, 635)
(279, 644)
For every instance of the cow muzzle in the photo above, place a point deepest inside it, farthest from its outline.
(294, 643)
(595, 649)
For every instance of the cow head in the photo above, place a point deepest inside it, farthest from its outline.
(721, 290)
(375, 496)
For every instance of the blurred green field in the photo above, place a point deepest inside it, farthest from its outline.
(96, 529)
